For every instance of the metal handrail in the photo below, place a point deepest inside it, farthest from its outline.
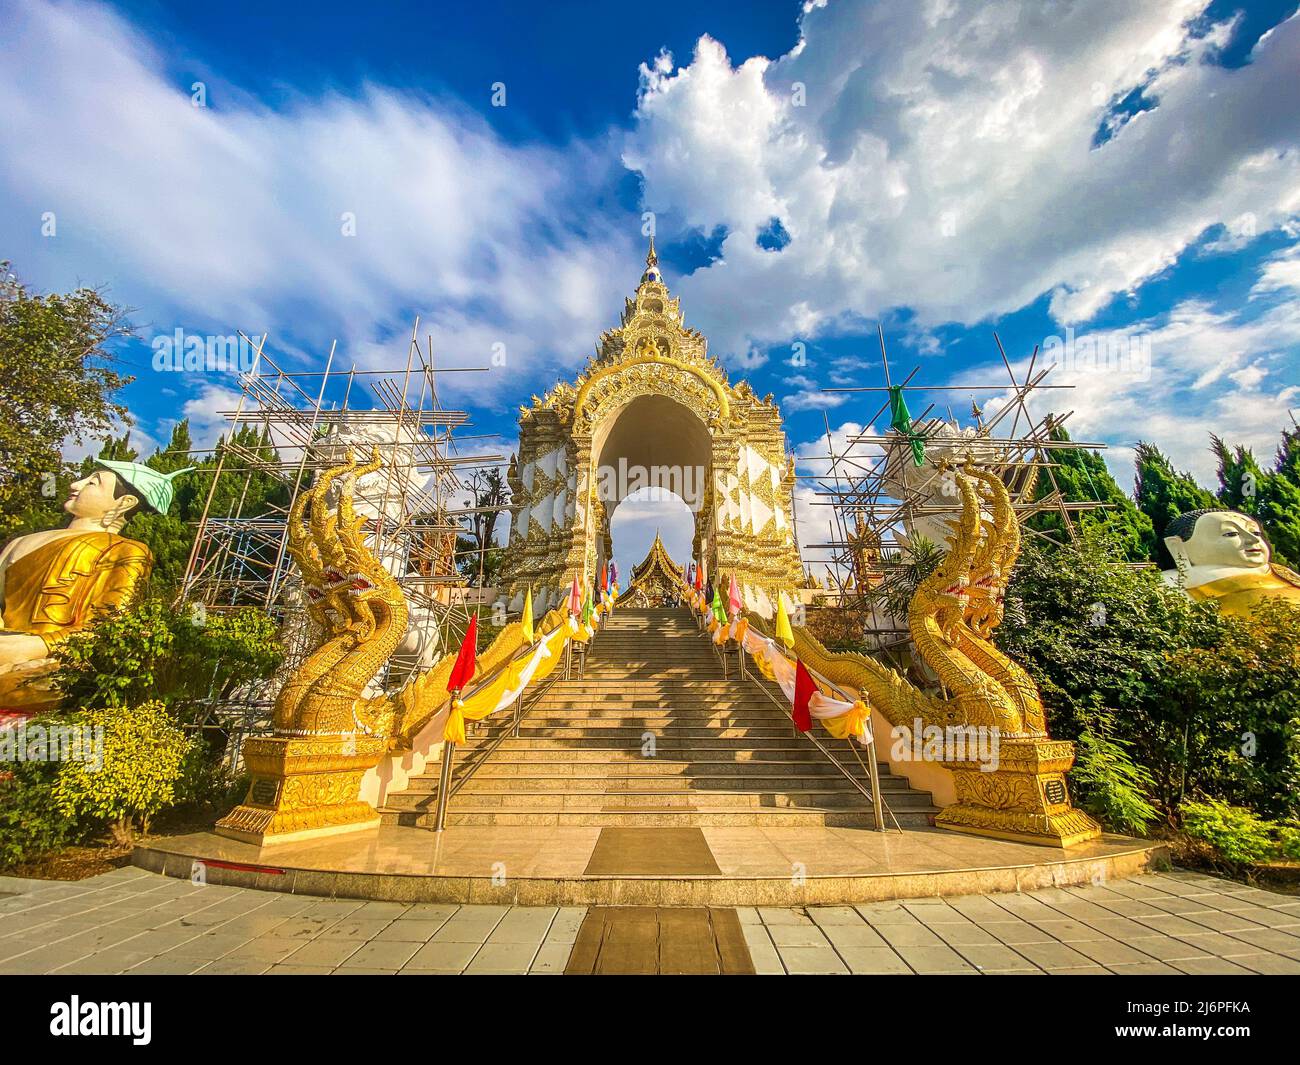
(511, 732)
(878, 805)
(445, 788)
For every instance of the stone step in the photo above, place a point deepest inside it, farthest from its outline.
(708, 781)
(502, 764)
(698, 818)
(699, 798)
(613, 730)
(591, 751)
(482, 781)
(670, 739)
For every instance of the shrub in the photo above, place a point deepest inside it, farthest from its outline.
(144, 758)
(180, 657)
(31, 823)
(1110, 784)
(1239, 835)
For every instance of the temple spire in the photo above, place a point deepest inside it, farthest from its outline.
(651, 258)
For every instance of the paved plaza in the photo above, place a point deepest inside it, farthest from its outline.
(132, 921)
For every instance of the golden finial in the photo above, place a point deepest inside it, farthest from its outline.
(651, 258)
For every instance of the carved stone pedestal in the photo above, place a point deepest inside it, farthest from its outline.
(303, 787)
(1024, 799)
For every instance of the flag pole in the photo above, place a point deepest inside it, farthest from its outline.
(444, 777)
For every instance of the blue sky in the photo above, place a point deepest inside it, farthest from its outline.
(948, 169)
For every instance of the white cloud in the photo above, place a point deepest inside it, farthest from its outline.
(944, 160)
(1209, 371)
(231, 216)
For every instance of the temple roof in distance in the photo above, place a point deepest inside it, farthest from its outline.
(657, 568)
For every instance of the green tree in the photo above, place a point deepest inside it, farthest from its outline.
(179, 657)
(57, 383)
(1082, 476)
(1206, 703)
(1163, 493)
(1271, 497)
(480, 555)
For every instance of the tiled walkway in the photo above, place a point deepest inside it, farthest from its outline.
(131, 921)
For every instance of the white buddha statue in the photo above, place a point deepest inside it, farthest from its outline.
(1223, 555)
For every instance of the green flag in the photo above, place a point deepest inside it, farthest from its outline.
(718, 611)
(900, 419)
(587, 609)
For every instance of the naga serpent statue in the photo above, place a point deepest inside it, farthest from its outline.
(951, 619)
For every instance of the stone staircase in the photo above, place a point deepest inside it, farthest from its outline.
(653, 735)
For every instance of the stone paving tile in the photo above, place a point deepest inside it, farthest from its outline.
(934, 959)
(787, 936)
(823, 916)
(899, 935)
(356, 928)
(270, 949)
(379, 954)
(812, 961)
(298, 970)
(524, 925)
(502, 958)
(1210, 967)
(132, 921)
(446, 956)
(772, 916)
(874, 960)
(881, 913)
(856, 936)
(552, 958)
(762, 952)
(1144, 968)
(1053, 955)
(1109, 952)
(1017, 932)
(996, 957)
(233, 967)
(330, 953)
(1166, 948)
(410, 931)
(1270, 964)
(564, 929)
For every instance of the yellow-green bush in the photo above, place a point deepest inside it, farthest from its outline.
(144, 757)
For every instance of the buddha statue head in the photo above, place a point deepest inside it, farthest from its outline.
(1224, 556)
(101, 499)
(1206, 544)
(114, 491)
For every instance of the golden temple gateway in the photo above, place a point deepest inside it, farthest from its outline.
(651, 409)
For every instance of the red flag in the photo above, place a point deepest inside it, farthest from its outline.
(699, 577)
(604, 577)
(804, 686)
(463, 671)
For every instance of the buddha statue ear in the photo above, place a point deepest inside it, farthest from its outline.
(1177, 547)
(123, 507)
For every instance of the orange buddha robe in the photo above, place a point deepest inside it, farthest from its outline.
(56, 590)
(1239, 595)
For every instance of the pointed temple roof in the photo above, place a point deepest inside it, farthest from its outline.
(657, 572)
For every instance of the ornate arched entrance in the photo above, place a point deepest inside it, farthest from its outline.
(652, 407)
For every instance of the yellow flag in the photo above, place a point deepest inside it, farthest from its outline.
(783, 631)
(528, 615)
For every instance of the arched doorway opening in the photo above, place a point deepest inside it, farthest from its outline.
(652, 461)
(642, 516)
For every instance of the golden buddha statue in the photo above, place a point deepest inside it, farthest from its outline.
(53, 583)
(1223, 555)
